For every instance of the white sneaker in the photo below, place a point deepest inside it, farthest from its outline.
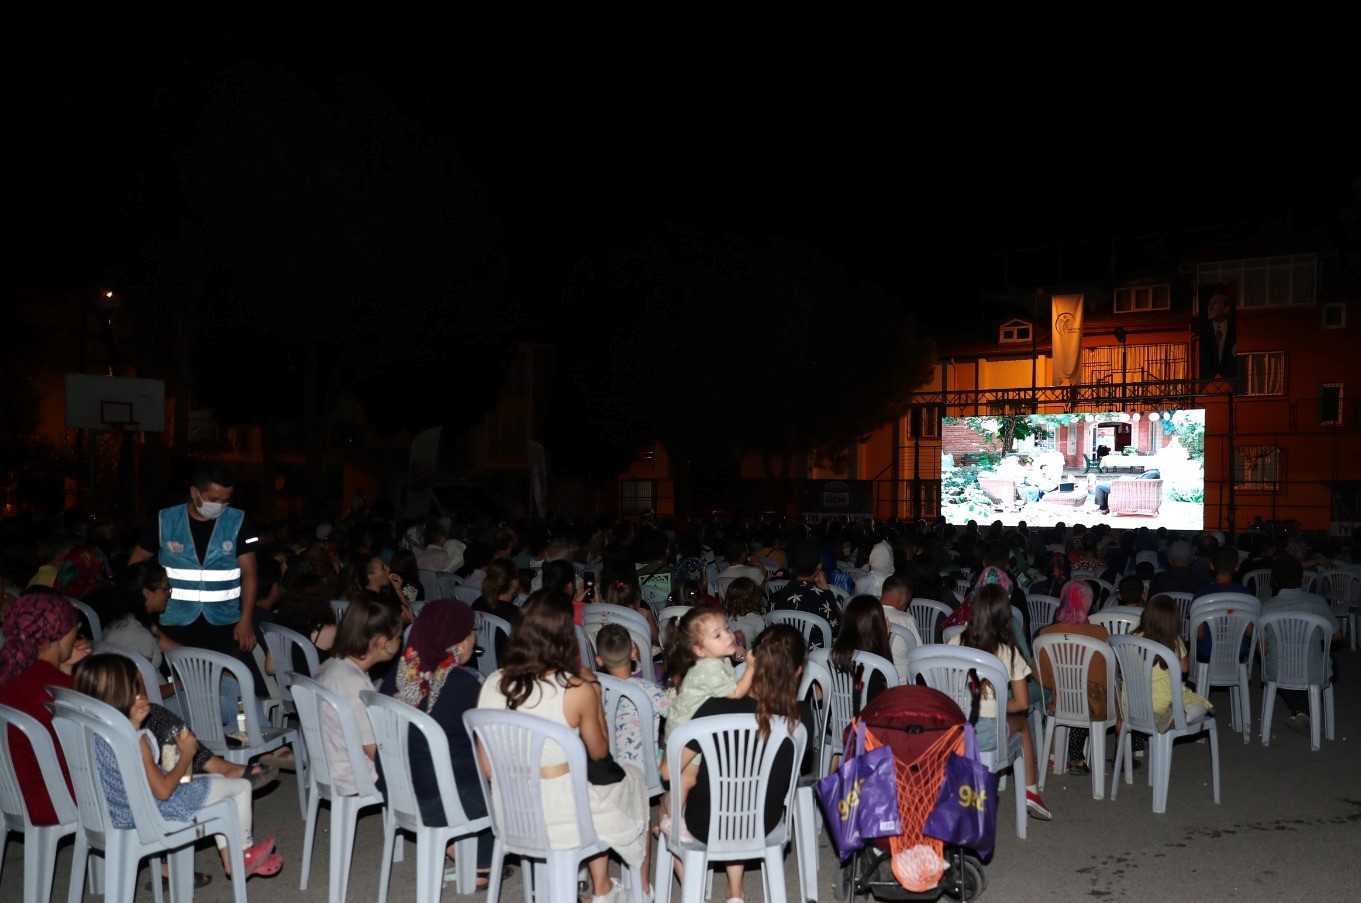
(615, 894)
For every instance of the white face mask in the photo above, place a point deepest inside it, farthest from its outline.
(212, 510)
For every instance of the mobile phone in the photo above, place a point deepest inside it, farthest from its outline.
(588, 580)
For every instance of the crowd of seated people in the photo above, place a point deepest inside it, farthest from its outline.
(860, 578)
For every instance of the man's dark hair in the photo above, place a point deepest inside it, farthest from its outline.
(206, 475)
(804, 559)
(1287, 572)
(1225, 561)
(892, 584)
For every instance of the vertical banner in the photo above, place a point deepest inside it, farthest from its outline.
(1217, 331)
(538, 476)
(1067, 337)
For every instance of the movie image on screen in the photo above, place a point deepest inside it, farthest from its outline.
(1123, 468)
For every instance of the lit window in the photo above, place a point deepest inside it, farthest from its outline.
(1014, 331)
(1263, 372)
(926, 421)
(637, 496)
(1330, 404)
(1143, 297)
(1334, 316)
(1257, 468)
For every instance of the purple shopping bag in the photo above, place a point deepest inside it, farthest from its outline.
(860, 799)
(965, 813)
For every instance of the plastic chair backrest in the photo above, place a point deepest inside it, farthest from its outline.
(900, 633)
(486, 627)
(928, 613)
(394, 724)
(12, 804)
(656, 598)
(1119, 620)
(150, 679)
(720, 587)
(806, 623)
(1310, 583)
(338, 607)
(1258, 582)
(281, 643)
(954, 630)
(1104, 593)
(1341, 588)
(1042, 609)
(593, 621)
(1134, 658)
(314, 702)
(841, 595)
(512, 744)
(946, 668)
(91, 619)
(605, 613)
(1227, 616)
(1183, 601)
(669, 616)
(771, 565)
(467, 594)
(1291, 636)
(1068, 657)
(198, 679)
(774, 586)
(79, 720)
(817, 674)
(614, 691)
(430, 583)
(584, 648)
(445, 583)
(739, 763)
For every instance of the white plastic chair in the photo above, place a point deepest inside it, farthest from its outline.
(80, 722)
(430, 583)
(282, 644)
(841, 595)
(1258, 582)
(1134, 658)
(817, 674)
(807, 820)
(806, 623)
(605, 613)
(1118, 620)
(614, 691)
(949, 633)
(91, 619)
(771, 565)
(1342, 589)
(738, 763)
(656, 598)
(198, 675)
(843, 703)
(774, 586)
(1105, 593)
(1151, 556)
(946, 668)
(585, 648)
(467, 594)
(670, 616)
(445, 583)
(395, 724)
(1042, 609)
(1183, 601)
(150, 679)
(487, 627)
(720, 587)
(1290, 634)
(928, 613)
(1070, 658)
(312, 699)
(338, 607)
(901, 642)
(512, 745)
(40, 841)
(1227, 616)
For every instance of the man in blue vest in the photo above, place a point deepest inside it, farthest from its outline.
(208, 551)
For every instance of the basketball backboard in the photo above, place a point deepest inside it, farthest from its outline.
(104, 402)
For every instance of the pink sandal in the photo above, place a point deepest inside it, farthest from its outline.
(262, 860)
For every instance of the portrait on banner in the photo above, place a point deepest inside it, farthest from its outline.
(1217, 330)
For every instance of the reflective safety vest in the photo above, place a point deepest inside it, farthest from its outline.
(212, 588)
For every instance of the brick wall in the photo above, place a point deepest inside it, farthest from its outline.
(957, 439)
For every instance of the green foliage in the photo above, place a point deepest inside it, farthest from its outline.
(1189, 428)
(1001, 432)
(1185, 492)
(961, 497)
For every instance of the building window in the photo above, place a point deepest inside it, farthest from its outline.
(926, 421)
(1334, 316)
(1134, 363)
(1266, 281)
(1330, 404)
(1263, 372)
(1257, 468)
(1014, 331)
(637, 496)
(1143, 297)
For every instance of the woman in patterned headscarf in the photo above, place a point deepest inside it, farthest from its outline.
(433, 676)
(39, 652)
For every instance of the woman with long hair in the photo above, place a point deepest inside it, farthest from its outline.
(745, 606)
(131, 624)
(541, 675)
(305, 608)
(1161, 623)
(863, 629)
(776, 660)
(990, 629)
(628, 594)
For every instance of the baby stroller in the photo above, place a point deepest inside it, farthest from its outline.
(922, 727)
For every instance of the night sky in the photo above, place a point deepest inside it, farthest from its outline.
(910, 177)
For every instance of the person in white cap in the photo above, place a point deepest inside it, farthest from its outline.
(881, 568)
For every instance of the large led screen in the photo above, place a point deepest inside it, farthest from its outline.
(1124, 468)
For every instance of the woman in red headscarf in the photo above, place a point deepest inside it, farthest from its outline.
(39, 652)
